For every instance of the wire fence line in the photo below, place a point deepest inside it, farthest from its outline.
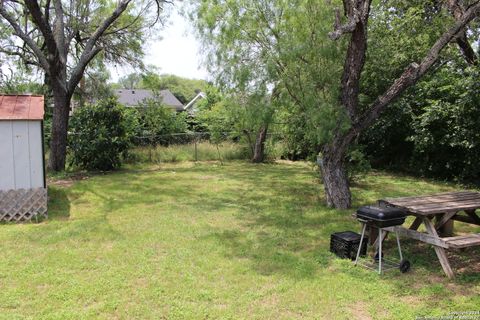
(187, 137)
(193, 133)
(194, 144)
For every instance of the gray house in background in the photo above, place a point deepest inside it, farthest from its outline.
(133, 97)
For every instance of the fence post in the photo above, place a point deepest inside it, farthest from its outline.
(196, 151)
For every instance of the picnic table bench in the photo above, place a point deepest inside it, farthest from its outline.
(445, 208)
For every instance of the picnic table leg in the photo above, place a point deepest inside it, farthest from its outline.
(445, 224)
(372, 235)
(383, 237)
(473, 215)
(442, 256)
(416, 223)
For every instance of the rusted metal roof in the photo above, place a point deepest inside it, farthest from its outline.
(21, 107)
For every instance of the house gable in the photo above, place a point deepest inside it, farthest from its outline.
(133, 97)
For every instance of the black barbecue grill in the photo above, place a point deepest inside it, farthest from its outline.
(380, 218)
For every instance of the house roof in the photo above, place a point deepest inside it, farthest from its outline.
(21, 107)
(195, 99)
(132, 97)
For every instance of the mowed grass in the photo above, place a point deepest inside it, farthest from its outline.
(232, 241)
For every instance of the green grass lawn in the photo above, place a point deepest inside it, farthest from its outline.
(198, 241)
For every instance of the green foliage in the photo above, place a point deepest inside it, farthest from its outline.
(357, 163)
(124, 39)
(94, 86)
(276, 60)
(183, 89)
(386, 142)
(214, 116)
(130, 81)
(399, 32)
(302, 138)
(252, 113)
(447, 133)
(434, 129)
(100, 135)
(158, 122)
(18, 80)
(236, 117)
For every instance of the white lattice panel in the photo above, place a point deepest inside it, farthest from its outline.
(23, 204)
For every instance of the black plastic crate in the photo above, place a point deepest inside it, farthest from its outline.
(345, 244)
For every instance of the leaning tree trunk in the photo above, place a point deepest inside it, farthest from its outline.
(334, 175)
(58, 142)
(333, 156)
(259, 148)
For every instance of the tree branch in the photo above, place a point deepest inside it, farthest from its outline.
(355, 11)
(59, 31)
(19, 32)
(39, 19)
(415, 71)
(90, 51)
(457, 10)
(358, 13)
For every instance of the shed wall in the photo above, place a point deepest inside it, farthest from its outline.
(21, 155)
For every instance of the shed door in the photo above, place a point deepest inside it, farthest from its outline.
(21, 158)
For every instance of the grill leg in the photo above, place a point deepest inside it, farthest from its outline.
(361, 243)
(398, 243)
(380, 231)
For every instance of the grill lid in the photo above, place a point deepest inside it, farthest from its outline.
(381, 214)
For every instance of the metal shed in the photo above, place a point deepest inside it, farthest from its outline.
(23, 188)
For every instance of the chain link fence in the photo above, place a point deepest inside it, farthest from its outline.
(197, 146)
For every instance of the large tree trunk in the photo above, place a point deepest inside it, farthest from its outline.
(259, 149)
(58, 144)
(334, 173)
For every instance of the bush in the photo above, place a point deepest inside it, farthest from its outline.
(100, 135)
(434, 129)
(447, 139)
(158, 123)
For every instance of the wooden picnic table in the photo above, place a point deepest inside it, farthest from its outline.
(445, 208)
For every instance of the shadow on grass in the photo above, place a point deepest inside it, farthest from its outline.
(286, 229)
(59, 227)
(281, 225)
(58, 204)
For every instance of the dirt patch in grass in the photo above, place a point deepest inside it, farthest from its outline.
(67, 181)
(465, 261)
(207, 177)
(359, 311)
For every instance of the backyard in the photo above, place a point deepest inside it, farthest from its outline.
(209, 240)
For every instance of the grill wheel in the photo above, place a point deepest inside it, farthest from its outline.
(404, 266)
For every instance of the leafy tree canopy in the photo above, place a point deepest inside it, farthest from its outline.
(183, 88)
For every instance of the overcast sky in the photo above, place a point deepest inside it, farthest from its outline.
(177, 53)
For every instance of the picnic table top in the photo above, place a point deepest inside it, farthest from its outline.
(434, 204)
(447, 206)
